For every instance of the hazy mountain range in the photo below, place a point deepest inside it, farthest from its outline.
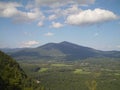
(60, 51)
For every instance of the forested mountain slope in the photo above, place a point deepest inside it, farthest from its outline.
(62, 51)
(12, 77)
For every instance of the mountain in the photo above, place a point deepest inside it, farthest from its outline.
(12, 77)
(62, 51)
(70, 50)
(11, 50)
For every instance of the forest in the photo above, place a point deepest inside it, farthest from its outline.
(12, 76)
(88, 74)
(83, 74)
(59, 44)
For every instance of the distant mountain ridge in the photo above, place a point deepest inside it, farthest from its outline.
(63, 51)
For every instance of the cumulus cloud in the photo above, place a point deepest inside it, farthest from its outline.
(58, 3)
(71, 13)
(51, 3)
(32, 15)
(71, 10)
(85, 2)
(40, 24)
(52, 17)
(88, 17)
(49, 34)
(56, 25)
(29, 43)
(10, 10)
(63, 13)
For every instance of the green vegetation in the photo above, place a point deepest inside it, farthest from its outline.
(64, 51)
(12, 77)
(60, 65)
(89, 74)
(43, 70)
(80, 71)
(92, 85)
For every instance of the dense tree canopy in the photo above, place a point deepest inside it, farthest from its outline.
(12, 77)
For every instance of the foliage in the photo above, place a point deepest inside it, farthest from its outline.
(89, 74)
(43, 70)
(60, 65)
(12, 77)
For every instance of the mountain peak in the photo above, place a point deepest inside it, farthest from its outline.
(56, 45)
(65, 50)
(65, 42)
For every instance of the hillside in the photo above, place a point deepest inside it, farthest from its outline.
(12, 77)
(62, 51)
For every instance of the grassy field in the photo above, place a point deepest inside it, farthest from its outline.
(60, 65)
(90, 74)
(43, 70)
(80, 71)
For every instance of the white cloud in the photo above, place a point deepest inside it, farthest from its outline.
(63, 13)
(52, 17)
(56, 25)
(71, 10)
(58, 3)
(29, 43)
(51, 3)
(85, 2)
(35, 13)
(10, 10)
(4, 5)
(49, 34)
(88, 17)
(40, 24)
(32, 15)
(72, 13)
(30, 5)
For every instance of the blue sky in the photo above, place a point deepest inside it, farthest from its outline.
(32, 23)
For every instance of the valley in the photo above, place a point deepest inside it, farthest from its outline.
(59, 44)
(68, 66)
(88, 74)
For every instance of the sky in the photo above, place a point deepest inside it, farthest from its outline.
(32, 23)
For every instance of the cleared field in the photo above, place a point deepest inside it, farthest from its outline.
(60, 65)
(80, 71)
(43, 70)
